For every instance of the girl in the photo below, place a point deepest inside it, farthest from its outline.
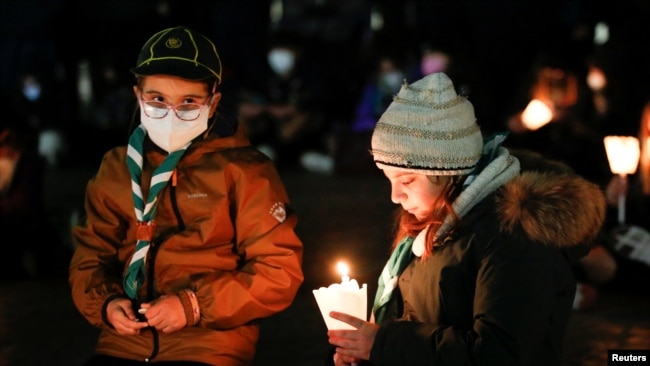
(481, 270)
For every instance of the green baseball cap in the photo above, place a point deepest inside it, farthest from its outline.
(181, 52)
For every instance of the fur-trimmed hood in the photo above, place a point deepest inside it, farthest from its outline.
(550, 204)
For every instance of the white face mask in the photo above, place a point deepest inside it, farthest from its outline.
(171, 133)
(434, 63)
(281, 60)
(392, 80)
(32, 91)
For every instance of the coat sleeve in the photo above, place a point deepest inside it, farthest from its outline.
(270, 270)
(96, 265)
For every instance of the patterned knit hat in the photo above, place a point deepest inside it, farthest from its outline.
(179, 51)
(428, 129)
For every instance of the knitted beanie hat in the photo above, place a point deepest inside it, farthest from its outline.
(428, 129)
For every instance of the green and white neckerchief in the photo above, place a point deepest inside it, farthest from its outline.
(495, 167)
(399, 259)
(144, 211)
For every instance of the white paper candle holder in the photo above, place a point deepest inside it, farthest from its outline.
(623, 156)
(345, 299)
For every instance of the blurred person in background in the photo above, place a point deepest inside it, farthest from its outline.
(37, 98)
(32, 248)
(285, 119)
(556, 117)
(442, 57)
(430, 59)
(378, 92)
(352, 145)
(629, 241)
(188, 237)
(560, 122)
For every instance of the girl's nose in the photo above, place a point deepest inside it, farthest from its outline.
(396, 194)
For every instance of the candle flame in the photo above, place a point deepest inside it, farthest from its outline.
(342, 268)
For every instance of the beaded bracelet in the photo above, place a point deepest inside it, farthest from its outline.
(194, 314)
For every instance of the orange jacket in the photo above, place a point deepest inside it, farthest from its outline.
(224, 229)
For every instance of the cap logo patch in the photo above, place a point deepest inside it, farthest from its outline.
(173, 42)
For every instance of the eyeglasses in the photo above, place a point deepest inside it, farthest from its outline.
(184, 111)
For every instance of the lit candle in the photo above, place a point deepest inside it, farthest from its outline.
(343, 270)
(536, 115)
(623, 156)
(345, 297)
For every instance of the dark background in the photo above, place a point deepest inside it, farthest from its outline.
(494, 44)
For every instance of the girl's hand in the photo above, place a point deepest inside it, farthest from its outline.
(121, 316)
(352, 345)
(340, 360)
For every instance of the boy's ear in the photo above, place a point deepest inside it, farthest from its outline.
(216, 98)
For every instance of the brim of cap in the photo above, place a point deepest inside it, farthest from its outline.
(187, 70)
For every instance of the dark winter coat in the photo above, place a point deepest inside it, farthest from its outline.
(500, 289)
